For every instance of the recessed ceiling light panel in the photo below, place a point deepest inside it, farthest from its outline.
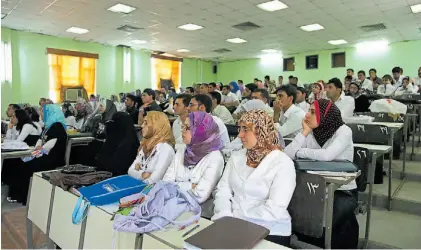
(77, 30)
(121, 8)
(337, 42)
(183, 50)
(139, 41)
(236, 40)
(272, 5)
(269, 50)
(312, 27)
(416, 8)
(190, 26)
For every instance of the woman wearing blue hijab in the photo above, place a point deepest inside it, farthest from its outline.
(236, 90)
(49, 151)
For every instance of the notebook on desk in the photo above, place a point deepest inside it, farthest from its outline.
(332, 166)
(228, 233)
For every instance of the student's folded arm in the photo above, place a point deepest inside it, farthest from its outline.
(280, 195)
(163, 160)
(331, 152)
(137, 174)
(224, 194)
(290, 126)
(171, 171)
(209, 179)
(49, 144)
(11, 133)
(26, 130)
(296, 144)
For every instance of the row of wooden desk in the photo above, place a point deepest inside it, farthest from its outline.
(50, 209)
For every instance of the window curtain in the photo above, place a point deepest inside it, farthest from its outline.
(70, 72)
(167, 73)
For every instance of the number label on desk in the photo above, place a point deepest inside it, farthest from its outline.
(410, 106)
(384, 130)
(381, 115)
(401, 119)
(361, 127)
(360, 152)
(312, 187)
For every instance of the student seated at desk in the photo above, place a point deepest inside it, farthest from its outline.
(325, 137)
(197, 166)
(406, 88)
(345, 104)
(120, 147)
(361, 101)
(22, 129)
(53, 140)
(248, 89)
(259, 180)
(386, 89)
(33, 113)
(156, 149)
(181, 109)
(83, 110)
(69, 115)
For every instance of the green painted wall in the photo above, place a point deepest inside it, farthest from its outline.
(404, 54)
(30, 73)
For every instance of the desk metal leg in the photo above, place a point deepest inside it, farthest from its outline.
(414, 132)
(329, 216)
(389, 191)
(29, 237)
(138, 243)
(50, 243)
(82, 231)
(68, 151)
(419, 116)
(370, 180)
(405, 138)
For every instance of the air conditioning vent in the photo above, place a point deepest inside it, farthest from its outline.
(222, 50)
(129, 28)
(373, 27)
(247, 26)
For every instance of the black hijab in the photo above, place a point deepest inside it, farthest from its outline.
(110, 110)
(329, 119)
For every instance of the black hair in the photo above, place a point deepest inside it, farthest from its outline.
(396, 70)
(356, 84)
(205, 84)
(335, 81)
(240, 81)
(301, 89)
(251, 86)
(263, 92)
(267, 77)
(204, 100)
(217, 96)
(374, 70)
(296, 78)
(23, 118)
(226, 86)
(290, 77)
(191, 89)
(348, 78)
(33, 114)
(14, 106)
(212, 84)
(289, 90)
(362, 72)
(350, 70)
(185, 98)
(256, 79)
(281, 77)
(92, 96)
(388, 77)
(150, 92)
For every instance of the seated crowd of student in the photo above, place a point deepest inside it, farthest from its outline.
(189, 152)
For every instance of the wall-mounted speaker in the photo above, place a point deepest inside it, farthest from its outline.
(215, 68)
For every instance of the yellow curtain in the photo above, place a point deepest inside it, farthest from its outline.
(166, 70)
(71, 71)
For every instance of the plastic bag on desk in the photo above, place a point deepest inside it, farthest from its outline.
(388, 106)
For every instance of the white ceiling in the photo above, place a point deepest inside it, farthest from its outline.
(160, 19)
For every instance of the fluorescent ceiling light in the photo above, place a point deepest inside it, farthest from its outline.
(416, 8)
(337, 42)
(269, 50)
(372, 46)
(236, 40)
(183, 50)
(121, 8)
(139, 41)
(190, 26)
(77, 30)
(312, 27)
(272, 5)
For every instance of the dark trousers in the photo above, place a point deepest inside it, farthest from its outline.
(280, 240)
(345, 228)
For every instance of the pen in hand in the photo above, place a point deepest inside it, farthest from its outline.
(190, 231)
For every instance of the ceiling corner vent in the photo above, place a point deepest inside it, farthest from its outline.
(247, 26)
(223, 50)
(373, 27)
(129, 28)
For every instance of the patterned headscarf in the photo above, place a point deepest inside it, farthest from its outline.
(329, 119)
(263, 127)
(83, 109)
(205, 137)
(159, 132)
(322, 90)
(235, 87)
(53, 114)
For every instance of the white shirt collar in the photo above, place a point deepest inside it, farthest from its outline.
(289, 111)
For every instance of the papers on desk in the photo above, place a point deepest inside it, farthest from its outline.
(110, 208)
(14, 145)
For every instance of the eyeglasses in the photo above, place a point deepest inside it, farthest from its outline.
(193, 104)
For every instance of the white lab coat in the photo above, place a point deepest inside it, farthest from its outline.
(157, 163)
(260, 195)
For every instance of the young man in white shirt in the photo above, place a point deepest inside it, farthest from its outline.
(212, 87)
(263, 95)
(220, 111)
(346, 104)
(287, 116)
(204, 88)
(417, 80)
(204, 103)
(301, 99)
(397, 77)
(229, 99)
(364, 82)
(350, 72)
(181, 108)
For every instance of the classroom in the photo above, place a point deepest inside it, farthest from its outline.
(137, 124)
